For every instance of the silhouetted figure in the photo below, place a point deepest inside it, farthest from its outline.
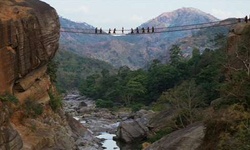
(96, 30)
(109, 31)
(153, 29)
(246, 19)
(137, 30)
(122, 30)
(239, 20)
(143, 30)
(148, 29)
(132, 31)
(114, 31)
(100, 30)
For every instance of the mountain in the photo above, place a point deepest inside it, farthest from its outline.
(136, 51)
(179, 17)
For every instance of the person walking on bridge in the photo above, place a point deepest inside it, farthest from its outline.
(246, 19)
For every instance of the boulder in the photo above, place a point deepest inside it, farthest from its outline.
(38, 91)
(83, 137)
(188, 138)
(130, 131)
(161, 120)
(82, 104)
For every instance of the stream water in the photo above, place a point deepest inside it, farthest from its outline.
(108, 143)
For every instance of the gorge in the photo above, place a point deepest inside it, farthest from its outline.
(199, 102)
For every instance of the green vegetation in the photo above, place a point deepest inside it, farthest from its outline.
(104, 103)
(9, 98)
(200, 74)
(32, 108)
(55, 101)
(73, 68)
(52, 70)
(159, 134)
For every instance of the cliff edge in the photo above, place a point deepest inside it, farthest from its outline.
(31, 117)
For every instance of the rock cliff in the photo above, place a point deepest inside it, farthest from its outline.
(9, 137)
(29, 35)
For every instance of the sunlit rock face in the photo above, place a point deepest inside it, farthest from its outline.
(29, 34)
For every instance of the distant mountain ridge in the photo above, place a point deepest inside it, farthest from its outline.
(138, 50)
(67, 23)
(179, 17)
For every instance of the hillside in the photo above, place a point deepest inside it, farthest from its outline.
(73, 68)
(137, 51)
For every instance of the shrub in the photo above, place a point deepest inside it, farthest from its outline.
(33, 109)
(136, 107)
(9, 98)
(104, 103)
(55, 101)
(228, 129)
(159, 134)
(52, 70)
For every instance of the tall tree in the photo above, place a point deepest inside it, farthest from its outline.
(185, 98)
(175, 55)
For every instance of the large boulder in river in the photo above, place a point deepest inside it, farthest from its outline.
(131, 130)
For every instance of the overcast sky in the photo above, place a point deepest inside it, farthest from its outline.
(132, 13)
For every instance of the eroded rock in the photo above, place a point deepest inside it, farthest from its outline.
(188, 138)
(9, 137)
(29, 35)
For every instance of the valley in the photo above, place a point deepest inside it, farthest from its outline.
(185, 85)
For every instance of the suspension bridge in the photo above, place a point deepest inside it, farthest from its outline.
(152, 30)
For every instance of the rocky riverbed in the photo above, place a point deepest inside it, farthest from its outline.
(97, 120)
(130, 129)
(101, 123)
(121, 125)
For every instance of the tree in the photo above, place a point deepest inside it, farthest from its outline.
(89, 86)
(185, 99)
(132, 89)
(175, 55)
(194, 61)
(161, 78)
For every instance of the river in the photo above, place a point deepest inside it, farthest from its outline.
(100, 122)
(108, 143)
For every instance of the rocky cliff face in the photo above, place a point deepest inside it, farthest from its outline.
(9, 137)
(238, 49)
(29, 34)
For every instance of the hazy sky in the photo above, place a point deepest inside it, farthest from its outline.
(132, 13)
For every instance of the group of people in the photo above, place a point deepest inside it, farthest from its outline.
(137, 30)
(142, 30)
